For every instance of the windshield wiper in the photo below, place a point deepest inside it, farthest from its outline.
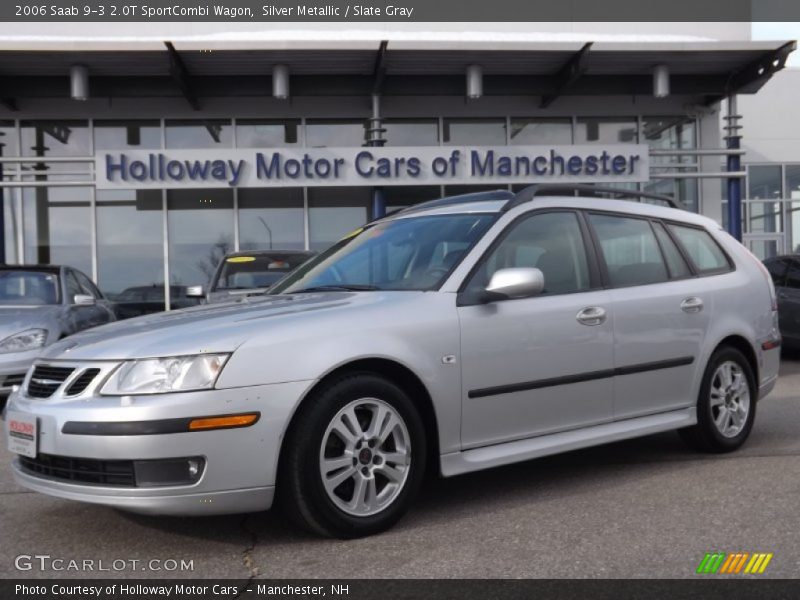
(345, 287)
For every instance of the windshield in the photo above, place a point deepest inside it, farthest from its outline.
(414, 253)
(257, 271)
(32, 288)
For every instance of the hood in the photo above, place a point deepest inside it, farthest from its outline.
(14, 319)
(206, 328)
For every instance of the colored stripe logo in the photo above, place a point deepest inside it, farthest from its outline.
(722, 563)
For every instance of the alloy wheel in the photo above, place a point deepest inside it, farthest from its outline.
(365, 457)
(729, 399)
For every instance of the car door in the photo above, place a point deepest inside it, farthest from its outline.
(542, 364)
(661, 314)
(789, 302)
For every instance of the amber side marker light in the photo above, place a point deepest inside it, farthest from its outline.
(225, 422)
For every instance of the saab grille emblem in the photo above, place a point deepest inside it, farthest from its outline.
(721, 563)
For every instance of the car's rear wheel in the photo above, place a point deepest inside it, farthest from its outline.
(726, 407)
(354, 459)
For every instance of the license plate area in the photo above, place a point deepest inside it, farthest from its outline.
(23, 433)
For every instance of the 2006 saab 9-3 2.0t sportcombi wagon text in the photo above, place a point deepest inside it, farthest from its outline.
(455, 335)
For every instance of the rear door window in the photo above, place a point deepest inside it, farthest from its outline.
(703, 251)
(675, 262)
(630, 250)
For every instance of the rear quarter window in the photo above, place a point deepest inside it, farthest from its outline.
(702, 249)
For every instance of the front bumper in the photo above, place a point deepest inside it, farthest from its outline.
(240, 464)
(155, 501)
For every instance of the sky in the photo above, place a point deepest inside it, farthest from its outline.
(779, 31)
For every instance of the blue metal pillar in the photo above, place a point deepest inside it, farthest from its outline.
(375, 139)
(378, 208)
(734, 164)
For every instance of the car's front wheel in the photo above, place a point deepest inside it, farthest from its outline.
(354, 457)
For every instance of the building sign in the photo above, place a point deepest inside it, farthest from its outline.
(427, 165)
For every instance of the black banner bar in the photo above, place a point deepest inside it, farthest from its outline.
(405, 11)
(703, 586)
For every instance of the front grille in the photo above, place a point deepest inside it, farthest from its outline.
(81, 470)
(82, 382)
(45, 380)
(10, 380)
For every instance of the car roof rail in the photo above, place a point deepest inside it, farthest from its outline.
(532, 191)
(486, 196)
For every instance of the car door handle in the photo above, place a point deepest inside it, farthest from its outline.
(692, 304)
(591, 315)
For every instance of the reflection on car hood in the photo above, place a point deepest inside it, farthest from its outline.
(14, 319)
(206, 328)
(218, 296)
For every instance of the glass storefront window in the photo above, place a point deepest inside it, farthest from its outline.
(411, 132)
(601, 130)
(333, 212)
(540, 131)
(267, 133)
(792, 182)
(57, 225)
(271, 218)
(323, 133)
(403, 196)
(684, 191)
(793, 244)
(8, 147)
(763, 217)
(764, 249)
(458, 190)
(670, 133)
(11, 231)
(200, 225)
(129, 134)
(200, 133)
(55, 138)
(130, 249)
(764, 182)
(8, 139)
(474, 132)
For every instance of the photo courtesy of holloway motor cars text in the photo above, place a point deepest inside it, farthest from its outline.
(399, 300)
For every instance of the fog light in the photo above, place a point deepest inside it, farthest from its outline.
(169, 471)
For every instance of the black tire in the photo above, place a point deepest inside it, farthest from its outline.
(301, 491)
(705, 436)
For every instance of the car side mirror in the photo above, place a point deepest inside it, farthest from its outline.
(195, 291)
(84, 300)
(520, 282)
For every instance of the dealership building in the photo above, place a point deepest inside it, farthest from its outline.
(140, 153)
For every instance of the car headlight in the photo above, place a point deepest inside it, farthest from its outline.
(24, 340)
(162, 375)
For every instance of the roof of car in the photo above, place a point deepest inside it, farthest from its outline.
(496, 201)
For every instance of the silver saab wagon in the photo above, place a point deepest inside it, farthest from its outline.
(456, 335)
